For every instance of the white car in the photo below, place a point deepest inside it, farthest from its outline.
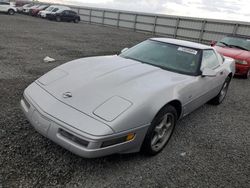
(26, 10)
(7, 8)
(52, 9)
(20, 9)
(103, 105)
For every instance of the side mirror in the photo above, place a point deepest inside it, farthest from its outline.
(124, 49)
(212, 43)
(208, 72)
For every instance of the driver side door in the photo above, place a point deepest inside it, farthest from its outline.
(203, 88)
(4, 6)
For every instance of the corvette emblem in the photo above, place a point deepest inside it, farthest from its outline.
(67, 95)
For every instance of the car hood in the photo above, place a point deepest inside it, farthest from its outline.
(96, 85)
(234, 53)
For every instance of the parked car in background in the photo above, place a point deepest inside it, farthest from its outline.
(20, 4)
(238, 48)
(26, 10)
(20, 9)
(43, 13)
(35, 11)
(8, 8)
(65, 15)
(52, 10)
(103, 105)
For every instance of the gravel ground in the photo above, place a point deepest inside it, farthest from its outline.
(209, 148)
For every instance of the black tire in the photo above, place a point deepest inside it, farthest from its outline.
(11, 12)
(222, 94)
(247, 75)
(76, 20)
(58, 18)
(148, 147)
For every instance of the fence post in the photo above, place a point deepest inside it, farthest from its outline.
(155, 21)
(176, 27)
(235, 29)
(90, 13)
(135, 22)
(103, 16)
(202, 30)
(118, 19)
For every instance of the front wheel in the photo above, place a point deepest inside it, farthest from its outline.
(223, 92)
(58, 19)
(76, 20)
(247, 75)
(160, 131)
(11, 12)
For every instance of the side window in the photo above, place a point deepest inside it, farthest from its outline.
(220, 57)
(54, 10)
(4, 3)
(209, 60)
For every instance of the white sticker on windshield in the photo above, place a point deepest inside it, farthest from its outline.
(187, 50)
(248, 40)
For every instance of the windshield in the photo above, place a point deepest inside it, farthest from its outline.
(166, 56)
(235, 42)
(49, 8)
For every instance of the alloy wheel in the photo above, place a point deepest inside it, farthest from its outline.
(162, 132)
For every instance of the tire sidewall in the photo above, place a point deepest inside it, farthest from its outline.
(227, 81)
(248, 74)
(11, 12)
(76, 20)
(146, 146)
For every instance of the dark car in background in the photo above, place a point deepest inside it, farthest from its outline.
(238, 48)
(65, 15)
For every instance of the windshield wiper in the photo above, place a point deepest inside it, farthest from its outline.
(126, 57)
(144, 62)
(224, 43)
(240, 47)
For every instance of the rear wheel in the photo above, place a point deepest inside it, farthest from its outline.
(223, 92)
(11, 12)
(160, 131)
(58, 19)
(76, 20)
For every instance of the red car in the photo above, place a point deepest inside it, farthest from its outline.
(35, 11)
(238, 48)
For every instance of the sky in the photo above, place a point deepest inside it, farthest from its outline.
(215, 9)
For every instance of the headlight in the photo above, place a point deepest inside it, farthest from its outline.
(243, 62)
(119, 140)
(112, 108)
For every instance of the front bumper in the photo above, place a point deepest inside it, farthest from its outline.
(76, 141)
(241, 69)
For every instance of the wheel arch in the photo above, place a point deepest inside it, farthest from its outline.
(176, 104)
(11, 9)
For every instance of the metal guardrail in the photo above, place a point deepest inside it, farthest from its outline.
(187, 28)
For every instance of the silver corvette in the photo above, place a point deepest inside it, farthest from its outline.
(129, 102)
